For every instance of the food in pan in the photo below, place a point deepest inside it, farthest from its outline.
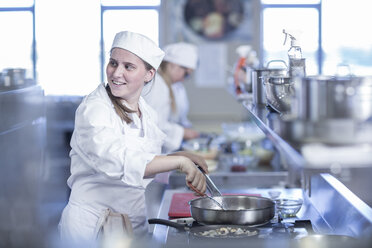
(228, 232)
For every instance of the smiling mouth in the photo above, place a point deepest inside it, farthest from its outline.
(117, 83)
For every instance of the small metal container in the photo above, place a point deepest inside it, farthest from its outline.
(258, 77)
(13, 77)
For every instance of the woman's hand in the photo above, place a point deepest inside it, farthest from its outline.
(198, 160)
(193, 175)
(189, 133)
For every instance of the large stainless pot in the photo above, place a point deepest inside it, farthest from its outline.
(328, 97)
(279, 93)
(238, 210)
(258, 77)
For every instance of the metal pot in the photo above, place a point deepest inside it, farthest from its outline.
(328, 97)
(279, 93)
(258, 76)
(238, 210)
(13, 77)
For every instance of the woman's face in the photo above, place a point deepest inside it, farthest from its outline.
(178, 73)
(126, 74)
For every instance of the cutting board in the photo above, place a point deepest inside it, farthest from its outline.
(180, 208)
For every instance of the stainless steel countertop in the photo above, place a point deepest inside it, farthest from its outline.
(331, 207)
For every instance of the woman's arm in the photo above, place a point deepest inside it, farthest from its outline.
(198, 160)
(177, 162)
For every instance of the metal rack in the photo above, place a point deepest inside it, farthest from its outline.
(280, 130)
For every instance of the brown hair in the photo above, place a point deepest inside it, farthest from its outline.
(162, 71)
(120, 108)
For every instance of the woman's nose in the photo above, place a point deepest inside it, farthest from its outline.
(119, 71)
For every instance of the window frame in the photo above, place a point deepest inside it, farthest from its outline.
(121, 7)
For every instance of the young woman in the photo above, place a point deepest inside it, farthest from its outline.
(116, 145)
(168, 96)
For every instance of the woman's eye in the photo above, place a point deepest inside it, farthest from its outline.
(113, 63)
(129, 67)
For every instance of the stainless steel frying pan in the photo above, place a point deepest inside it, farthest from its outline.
(238, 210)
(231, 209)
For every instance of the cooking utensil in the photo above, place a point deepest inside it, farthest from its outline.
(210, 231)
(239, 210)
(279, 93)
(205, 195)
(258, 77)
(14, 76)
(328, 97)
(211, 187)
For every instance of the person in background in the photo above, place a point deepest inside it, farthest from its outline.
(116, 145)
(167, 95)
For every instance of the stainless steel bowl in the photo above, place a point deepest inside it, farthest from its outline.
(279, 93)
(238, 210)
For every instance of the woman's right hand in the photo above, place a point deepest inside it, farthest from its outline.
(193, 175)
(190, 134)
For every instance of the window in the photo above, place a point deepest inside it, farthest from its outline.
(137, 16)
(335, 32)
(74, 37)
(347, 38)
(17, 36)
(302, 19)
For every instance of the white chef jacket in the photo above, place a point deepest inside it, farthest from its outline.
(159, 99)
(182, 103)
(108, 161)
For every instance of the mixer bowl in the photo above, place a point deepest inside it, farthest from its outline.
(279, 93)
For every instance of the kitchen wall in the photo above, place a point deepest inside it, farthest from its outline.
(210, 106)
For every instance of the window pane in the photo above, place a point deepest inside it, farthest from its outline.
(18, 3)
(68, 58)
(16, 40)
(346, 35)
(139, 21)
(130, 3)
(290, 1)
(302, 22)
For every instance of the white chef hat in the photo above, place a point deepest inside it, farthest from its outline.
(140, 45)
(183, 54)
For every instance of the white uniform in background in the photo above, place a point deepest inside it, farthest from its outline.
(108, 161)
(159, 99)
(182, 103)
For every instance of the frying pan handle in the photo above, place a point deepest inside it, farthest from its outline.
(168, 223)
